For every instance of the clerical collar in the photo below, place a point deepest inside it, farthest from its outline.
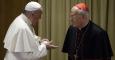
(84, 28)
(26, 19)
(29, 23)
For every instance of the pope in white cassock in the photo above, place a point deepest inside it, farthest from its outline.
(21, 41)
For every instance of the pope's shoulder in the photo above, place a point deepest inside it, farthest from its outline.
(19, 23)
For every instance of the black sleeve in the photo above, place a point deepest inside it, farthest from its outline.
(105, 49)
(66, 41)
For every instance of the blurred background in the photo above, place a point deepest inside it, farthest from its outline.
(55, 21)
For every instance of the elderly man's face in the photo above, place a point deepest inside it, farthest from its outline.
(77, 20)
(36, 16)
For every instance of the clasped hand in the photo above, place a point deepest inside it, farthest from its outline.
(48, 44)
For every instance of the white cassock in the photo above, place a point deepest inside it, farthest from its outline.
(21, 42)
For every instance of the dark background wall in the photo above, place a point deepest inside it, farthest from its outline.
(9, 9)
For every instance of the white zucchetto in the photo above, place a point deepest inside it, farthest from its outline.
(33, 6)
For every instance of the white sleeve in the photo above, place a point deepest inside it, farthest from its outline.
(41, 50)
(36, 54)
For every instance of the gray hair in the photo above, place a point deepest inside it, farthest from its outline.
(80, 12)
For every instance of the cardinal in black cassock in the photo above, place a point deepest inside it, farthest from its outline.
(88, 43)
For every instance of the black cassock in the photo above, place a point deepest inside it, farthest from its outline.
(94, 43)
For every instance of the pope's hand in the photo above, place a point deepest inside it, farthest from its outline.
(49, 44)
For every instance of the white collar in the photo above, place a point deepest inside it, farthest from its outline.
(26, 19)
